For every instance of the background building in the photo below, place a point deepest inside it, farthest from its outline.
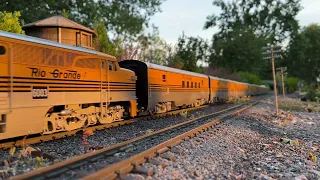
(61, 30)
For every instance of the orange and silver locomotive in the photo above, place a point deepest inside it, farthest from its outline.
(47, 87)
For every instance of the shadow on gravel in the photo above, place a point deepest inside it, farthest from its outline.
(256, 125)
(298, 131)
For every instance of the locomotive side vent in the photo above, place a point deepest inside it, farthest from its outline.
(3, 119)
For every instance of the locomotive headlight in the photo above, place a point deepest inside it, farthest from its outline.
(66, 112)
(133, 78)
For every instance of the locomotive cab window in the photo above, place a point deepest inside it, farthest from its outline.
(2, 50)
(163, 78)
(111, 66)
(102, 64)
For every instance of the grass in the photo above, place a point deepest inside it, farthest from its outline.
(289, 104)
(241, 100)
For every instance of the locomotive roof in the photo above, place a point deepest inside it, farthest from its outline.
(49, 43)
(170, 69)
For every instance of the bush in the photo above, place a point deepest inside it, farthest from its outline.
(312, 95)
(252, 79)
(249, 78)
(264, 83)
(305, 89)
(292, 84)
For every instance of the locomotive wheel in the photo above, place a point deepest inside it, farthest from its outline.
(75, 123)
(151, 112)
(92, 119)
(106, 119)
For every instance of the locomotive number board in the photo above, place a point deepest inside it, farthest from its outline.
(40, 92)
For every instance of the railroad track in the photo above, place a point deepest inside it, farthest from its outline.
(120, 159)
(37, 139)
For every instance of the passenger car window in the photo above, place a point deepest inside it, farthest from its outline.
(187, 84)
(163, 78)
(183, 84)
(191, 84)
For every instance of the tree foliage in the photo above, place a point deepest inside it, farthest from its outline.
(251, 78)
(291, 84)
(303, 55)
(10, 22)
(104, 44)
(152, 48)
(271, 19)
(245, 27)
(189, 52)
(120, 16)
(65, 13)
(148, 48)
(240, 50)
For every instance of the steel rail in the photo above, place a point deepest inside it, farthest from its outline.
(120, 169)
(59, 135)
(62, 167)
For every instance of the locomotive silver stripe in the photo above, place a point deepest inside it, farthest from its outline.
(47, 42)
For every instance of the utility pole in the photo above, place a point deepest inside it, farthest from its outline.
(282, 73)
(272, 51)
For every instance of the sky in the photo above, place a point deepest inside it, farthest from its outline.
(190, 15)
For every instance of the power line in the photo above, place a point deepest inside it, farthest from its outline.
(282, 71)
(271, 51)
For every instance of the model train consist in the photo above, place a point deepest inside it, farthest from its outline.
(47, 87)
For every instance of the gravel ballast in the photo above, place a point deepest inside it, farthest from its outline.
(66, 148)
(253, 145)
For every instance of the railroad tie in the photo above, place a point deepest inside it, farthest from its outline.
(177, 150)
(168, 156)
(129, 177)
(143, 170)
(157, 163)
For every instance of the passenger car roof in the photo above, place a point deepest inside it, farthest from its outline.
(170, 69)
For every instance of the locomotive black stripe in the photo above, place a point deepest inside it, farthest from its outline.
(15, 86)
(80, 84)
(66, 90)
(15, 91)
(76, 87)
(63, 80)
(115, 90)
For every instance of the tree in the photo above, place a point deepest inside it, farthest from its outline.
(189, 52)
(148, 48)
(238, 51)
(274, 20)
(65, 13)
(152, 48)
(303, 55)
(104, 44)
(175, 62)
(245, 27)
(122, 17)
(10, 22)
